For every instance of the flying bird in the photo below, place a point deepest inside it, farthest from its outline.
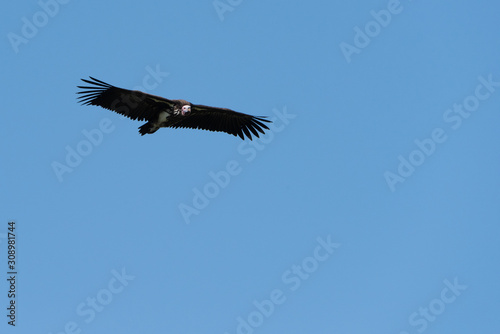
(160, 112)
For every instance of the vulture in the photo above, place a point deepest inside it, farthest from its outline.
(160, 112)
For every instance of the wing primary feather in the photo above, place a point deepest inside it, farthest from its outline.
(245, 129)
(252, 128)
(102, 82)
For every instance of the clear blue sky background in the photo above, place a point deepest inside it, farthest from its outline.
(251, 257)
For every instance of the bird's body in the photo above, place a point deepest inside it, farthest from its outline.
(162, 120)
(160, 112)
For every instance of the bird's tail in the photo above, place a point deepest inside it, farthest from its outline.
(147, 128)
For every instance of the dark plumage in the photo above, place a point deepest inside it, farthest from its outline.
(160, 112)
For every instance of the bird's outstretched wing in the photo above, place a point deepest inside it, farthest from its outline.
(131, 103)
(221, 120)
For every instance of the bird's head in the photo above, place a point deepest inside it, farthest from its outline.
(186, 109)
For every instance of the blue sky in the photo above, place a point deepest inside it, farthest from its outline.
(371, 206)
